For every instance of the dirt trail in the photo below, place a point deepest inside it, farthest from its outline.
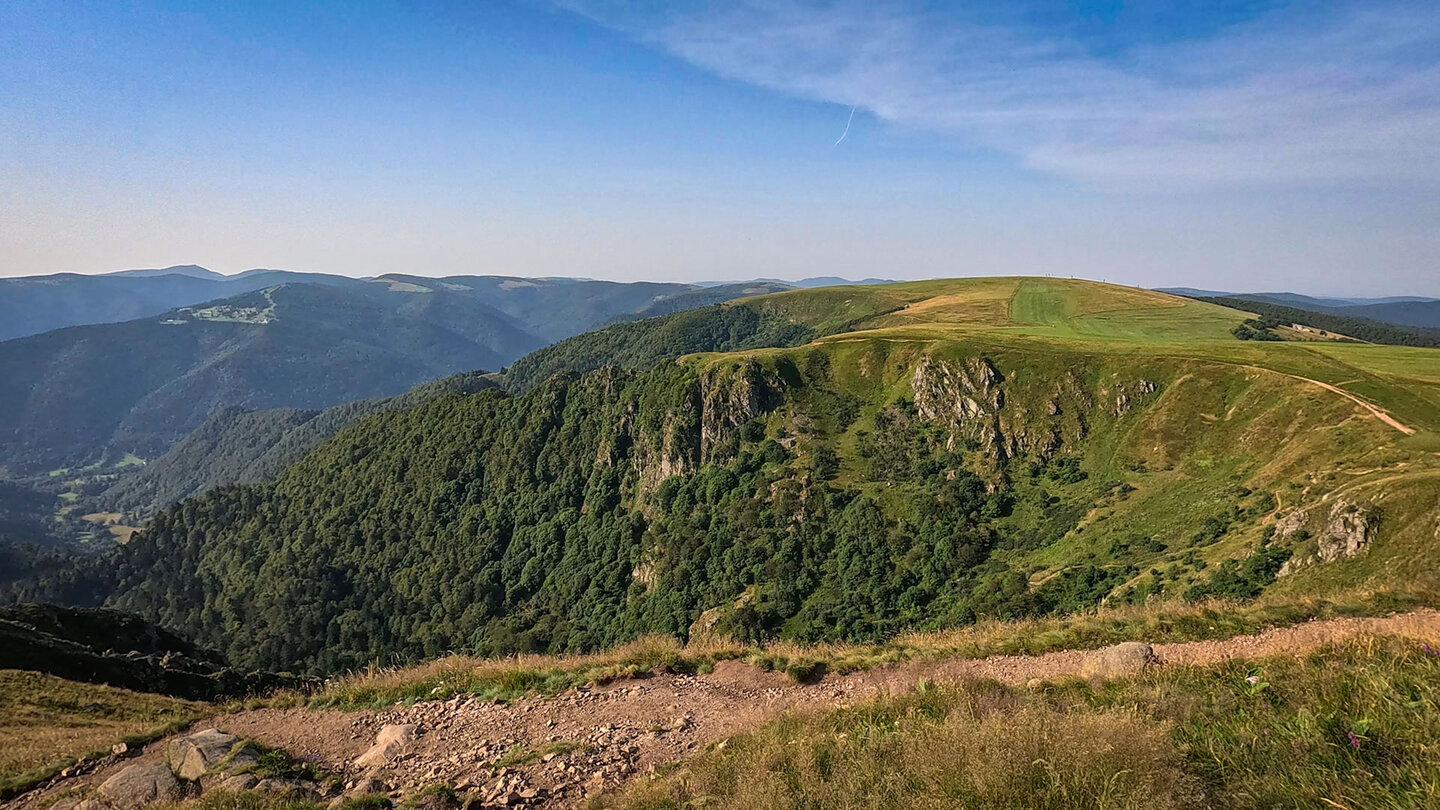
(593, 739)
(1375, 410)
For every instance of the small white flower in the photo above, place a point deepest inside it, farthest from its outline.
(1253, 679)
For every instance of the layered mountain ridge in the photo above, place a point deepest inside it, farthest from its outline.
(908, 456)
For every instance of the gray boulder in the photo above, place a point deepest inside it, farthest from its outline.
(139, 785)
(240, 783)
(195, 755)
(1119, 661)
(1347, 533)
(289, 788)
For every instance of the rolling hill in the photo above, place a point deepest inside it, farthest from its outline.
(548, 308)
(92, 396)
(30, 305)
(908, 456)
(1424, 314)
(85, 394)
(238, 446)
(1413, 311)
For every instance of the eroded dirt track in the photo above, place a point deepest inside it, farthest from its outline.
(563, 747)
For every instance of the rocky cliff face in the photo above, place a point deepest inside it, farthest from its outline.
(1005, 419)
(729, 398)
(967, 398)
(1346, 533)
(702, 426)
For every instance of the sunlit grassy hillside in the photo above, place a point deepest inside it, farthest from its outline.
(1040, 313)
(842, 465)
(1232, 424)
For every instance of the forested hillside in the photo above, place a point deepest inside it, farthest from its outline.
(960, 450)
(780, 320)
(236, 446)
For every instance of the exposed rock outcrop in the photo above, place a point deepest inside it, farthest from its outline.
(966, 397)
(705, 427)
(728, 399)
(1347, 533)
(1126, 396)
(977, 404)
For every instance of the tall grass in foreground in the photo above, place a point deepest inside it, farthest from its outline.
(509, 678)
(1351, 727)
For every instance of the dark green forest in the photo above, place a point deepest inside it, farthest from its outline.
(642, 344)
(1272, 315)
(236, 446)
(581, 514)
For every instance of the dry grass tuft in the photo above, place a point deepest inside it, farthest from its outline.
(1355, 726)
(1165, 622)
(513, 677)
(46, 723)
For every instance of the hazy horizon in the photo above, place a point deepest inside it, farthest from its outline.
(1248, 146)
(714, 281)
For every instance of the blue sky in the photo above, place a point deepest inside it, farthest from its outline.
(1243, 145)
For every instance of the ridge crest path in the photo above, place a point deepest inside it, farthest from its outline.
(628, 728)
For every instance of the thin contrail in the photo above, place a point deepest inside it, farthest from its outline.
(847, 126)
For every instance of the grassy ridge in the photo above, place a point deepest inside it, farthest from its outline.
(517, 676)
(1215, 436)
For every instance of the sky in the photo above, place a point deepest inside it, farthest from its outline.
(1223, 144)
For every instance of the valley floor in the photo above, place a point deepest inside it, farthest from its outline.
(553, 751)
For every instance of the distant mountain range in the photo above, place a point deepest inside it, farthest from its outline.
(804, 283)
(30, 305)
(92, 391)
(1400, 310)
(33, 304)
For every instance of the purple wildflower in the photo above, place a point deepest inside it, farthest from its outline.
(1427, 648)
(1354, 740)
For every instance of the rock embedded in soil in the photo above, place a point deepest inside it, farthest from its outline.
(195, 755)
(237, 784)
(140, 785)
(1119, 661)
(289, 788)
(390, 743)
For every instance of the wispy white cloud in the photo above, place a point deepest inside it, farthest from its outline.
(1296, 97)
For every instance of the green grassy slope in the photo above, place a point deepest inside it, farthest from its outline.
(1231, 415)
